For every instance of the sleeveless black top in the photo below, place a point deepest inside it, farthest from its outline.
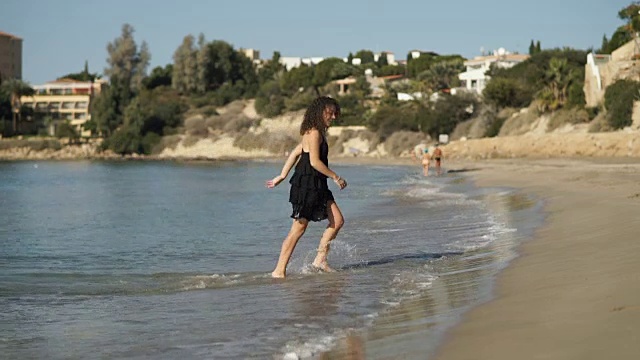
(309, 192)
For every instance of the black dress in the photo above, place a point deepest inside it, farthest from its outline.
(309, 191)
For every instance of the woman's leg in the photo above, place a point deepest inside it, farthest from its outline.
(297, 230)
(336, 221)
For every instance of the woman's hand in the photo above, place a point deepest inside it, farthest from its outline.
(274, 182)
(342, 183)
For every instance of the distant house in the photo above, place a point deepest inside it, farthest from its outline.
(376, 83)
(603, 70)
(294, 62)
(391, 58)
(344, 84)
(64, 100)
(475, 77)
(414, 54)
(252, 54)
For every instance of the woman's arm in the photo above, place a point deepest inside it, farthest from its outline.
(314, 139)
(291, 160)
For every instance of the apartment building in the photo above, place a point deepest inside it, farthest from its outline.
(10, 56)
(475, 77)
(64, 100)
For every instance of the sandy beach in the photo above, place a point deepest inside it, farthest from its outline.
(574, 291)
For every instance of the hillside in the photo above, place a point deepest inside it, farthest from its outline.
(521, 136)
(236, 131)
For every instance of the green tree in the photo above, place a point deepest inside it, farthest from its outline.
(125, 61)
(558, 77)
(365, 56)
(327, 70)
(225, 65)
(442, 75)
(446, 113)
(160, 76)
(272, 70)
(202, 59)
(382, 60)
(604, 48)
(391, 70)
(620, 37)
(532, 48)
(631, 14)
(538, 47)
(185, 66)
(533, 74)
(14, 89)
(426, 60)
(151, 114)
(506, 92)
(298, 78)
(127, 66)
(84, 75)
(269, 100)
(390, 118)
(106, 115)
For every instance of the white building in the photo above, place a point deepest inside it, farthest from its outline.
(475, 78)
(290, 62)
(391, 58)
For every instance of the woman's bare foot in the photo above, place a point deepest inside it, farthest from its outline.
(323, 267)
(277, 275)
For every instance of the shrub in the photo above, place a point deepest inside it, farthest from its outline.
(66, 130)
(618, 100)
(170, 142)
(600, 124)
(519, 123)
(238, 124)
(190, 140)
(494, 127)
(506, 92)
(389, 119)
(447, 112)
(270, 106)
(593, 112)
(125, 140)
(196, 126)
(276, 143)
(576, 94)
(149, 142)
(567, 116)
(402, 141)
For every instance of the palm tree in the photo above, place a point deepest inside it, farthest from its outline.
(442, 75)
(16, 88)
(558, 77)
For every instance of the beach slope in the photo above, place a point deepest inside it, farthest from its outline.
(574, 291)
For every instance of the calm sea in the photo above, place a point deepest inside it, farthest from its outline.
(164, 260)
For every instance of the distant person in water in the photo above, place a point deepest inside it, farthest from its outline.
(425, 162)
(438, 156)
(310, 196)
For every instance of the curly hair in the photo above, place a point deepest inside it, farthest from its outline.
(313, 117)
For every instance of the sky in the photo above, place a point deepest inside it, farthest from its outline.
(59, 36)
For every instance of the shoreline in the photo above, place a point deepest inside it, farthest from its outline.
(573, 290)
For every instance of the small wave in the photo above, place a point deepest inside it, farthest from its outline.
(79, 284)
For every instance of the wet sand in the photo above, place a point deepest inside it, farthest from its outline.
(574, 291)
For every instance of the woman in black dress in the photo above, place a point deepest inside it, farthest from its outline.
(310, 196)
